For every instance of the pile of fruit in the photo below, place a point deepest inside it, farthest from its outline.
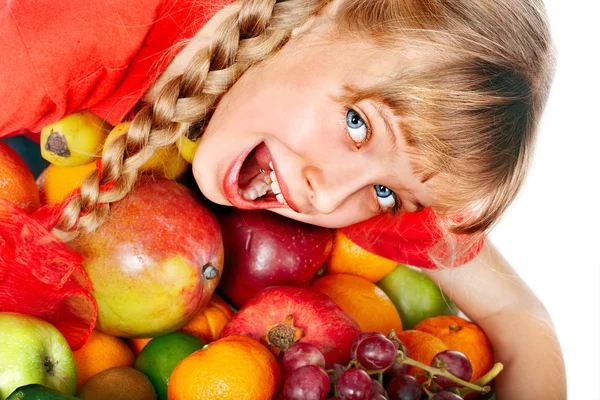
(200, 302)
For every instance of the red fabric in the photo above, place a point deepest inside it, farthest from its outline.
(56, 59)
(411, 238)
(41, 276)
(64, 56)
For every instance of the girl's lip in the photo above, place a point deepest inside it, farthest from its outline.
(230, 187)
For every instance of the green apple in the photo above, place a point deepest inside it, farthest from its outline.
(415, 295)
(34, 351)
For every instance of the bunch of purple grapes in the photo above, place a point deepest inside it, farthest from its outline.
(372, 354)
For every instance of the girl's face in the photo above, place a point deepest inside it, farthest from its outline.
(280, 140)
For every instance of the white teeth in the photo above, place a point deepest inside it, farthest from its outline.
(250, 194)
(262, 184)
(275, 187)
(271, 165)
(280, 199)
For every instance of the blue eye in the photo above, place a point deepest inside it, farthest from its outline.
(385, 197)
(357, 129)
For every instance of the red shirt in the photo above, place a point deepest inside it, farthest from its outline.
(59, 57)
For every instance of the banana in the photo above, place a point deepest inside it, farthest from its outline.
(165, 161)
(74, 140)
(188, 143)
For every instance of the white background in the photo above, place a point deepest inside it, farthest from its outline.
(551, 234)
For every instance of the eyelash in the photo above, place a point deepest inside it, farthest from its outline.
(395, 210)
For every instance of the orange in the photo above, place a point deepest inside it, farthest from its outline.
(364, 301)
(208, 323)
(464, 336)
(17, 184)
(137, 344)
(422, 347)
(349, 258)
(231, 368)
(100, 353)
(56, 182)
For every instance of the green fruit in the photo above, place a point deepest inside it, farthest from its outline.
(117, 383)
(34, 351)
(38, 392)
(415, 296)
(162, 354)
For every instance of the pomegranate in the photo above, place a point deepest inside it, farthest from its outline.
(280, 316)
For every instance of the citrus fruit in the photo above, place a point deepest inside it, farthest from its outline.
(35, 391)
(160, 356)
(415, 296)
(370, 307)
(422, 347)
(464, 336)
(349, 258)
(56, 182)
(17, 184)
(137, 344)
(117, 383)
(100, 353)
(208, 323)
(231, 368)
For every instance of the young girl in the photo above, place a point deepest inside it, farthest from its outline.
(408, 123)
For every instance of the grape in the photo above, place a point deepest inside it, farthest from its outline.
(377, 387)
(354, 384)
(446, 396)
(377, 396)
(404, 387)
(376, 352)
(359, 339)
(338, 370)
(307, 383)
(456, 363)
(302, 354)
(397, 369)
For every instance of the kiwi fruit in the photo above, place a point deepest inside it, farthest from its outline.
(117, 383)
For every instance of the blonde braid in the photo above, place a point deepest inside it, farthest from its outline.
(252, 34)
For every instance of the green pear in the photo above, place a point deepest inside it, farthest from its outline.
(415, 295)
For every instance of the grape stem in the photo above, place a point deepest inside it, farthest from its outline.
(485, 379)
(402, 358)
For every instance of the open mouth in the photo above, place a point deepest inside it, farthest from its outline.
(252, 182)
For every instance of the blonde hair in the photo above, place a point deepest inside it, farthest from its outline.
(469, 89)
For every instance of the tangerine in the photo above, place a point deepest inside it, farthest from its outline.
(349, 258)
(208, 323)
(17, 184)
(364, 301)
(462, 335)
(422, 347)
(137, 344)
(56, 182)
(100, 353)
(231, 368)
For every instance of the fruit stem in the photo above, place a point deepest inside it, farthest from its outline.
(485, 379)
(435, 371)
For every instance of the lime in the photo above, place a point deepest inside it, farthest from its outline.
(415, 295)
(162, 354)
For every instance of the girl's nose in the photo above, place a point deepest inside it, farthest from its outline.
(328, 190)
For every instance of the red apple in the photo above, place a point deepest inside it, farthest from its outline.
(155, 262)
(265, 249)
(280, 316)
